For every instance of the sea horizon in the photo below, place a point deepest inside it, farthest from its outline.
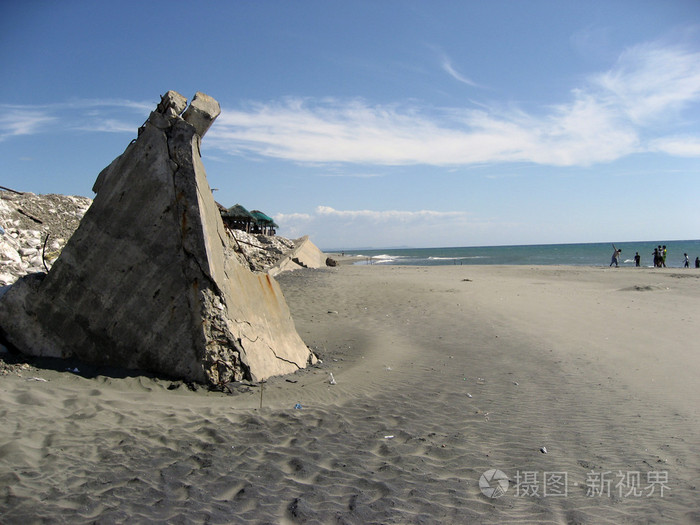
(570, 254)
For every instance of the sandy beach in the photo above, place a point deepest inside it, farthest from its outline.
(578, 384)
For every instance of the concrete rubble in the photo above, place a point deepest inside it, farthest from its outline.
(34, 229)
(150, 279)
(304, 254)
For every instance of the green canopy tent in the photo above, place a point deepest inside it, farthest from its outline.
(238, 218)
(264, 223)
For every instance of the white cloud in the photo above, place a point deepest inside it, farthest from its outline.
(581, 133)
(326, 214)
(393, 215)
(352, 174)
(292, 217)
(680, 146)
(651, 80)
(332, 228)
(604, 120)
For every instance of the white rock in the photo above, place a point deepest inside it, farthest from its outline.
(36, 262)
(33, 243)
(8, 253)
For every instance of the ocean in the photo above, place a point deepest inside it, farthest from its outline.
(588, 254)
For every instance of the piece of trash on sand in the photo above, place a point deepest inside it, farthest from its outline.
(297, 406)
(331, 379)
(543, 450)
(41, 379)
(469, 395)
(516, 383)
(74, 370)
(389, 437)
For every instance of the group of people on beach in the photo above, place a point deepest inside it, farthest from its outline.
(659, 255)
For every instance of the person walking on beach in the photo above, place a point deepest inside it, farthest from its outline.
(663, 257)
(656, 258)
(615, 256)
(697, 262)
(637, 259)
(687, 261)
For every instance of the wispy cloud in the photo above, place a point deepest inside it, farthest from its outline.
(352, 174)
(23, 121)
(447, 66)
(106, 125)
(393, 215)
(97, 115)
(326, 225)
(680, 146)
(584, 132)
(649, 81)
(614, 114)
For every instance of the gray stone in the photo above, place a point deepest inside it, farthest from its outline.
(202, 112)
(159, 120)
(172, 104)
(149, 280)
(304, 255)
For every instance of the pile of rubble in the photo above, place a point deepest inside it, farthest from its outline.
(34, 229)
(261, 251)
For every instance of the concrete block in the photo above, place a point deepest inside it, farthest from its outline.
(202, 112)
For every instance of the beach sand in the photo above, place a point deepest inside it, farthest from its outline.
(443, 374)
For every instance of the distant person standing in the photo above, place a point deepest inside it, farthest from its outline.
(637, 259)
(615, 256)
(656, 258)
(687, 261)
(663, 258)
(697, 262)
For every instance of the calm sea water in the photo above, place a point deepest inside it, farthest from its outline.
(590, 254)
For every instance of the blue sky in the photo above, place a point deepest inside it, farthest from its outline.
(383, 123)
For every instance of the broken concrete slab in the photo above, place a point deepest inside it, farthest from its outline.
(304, 255)
(149, 280)
(202, 112)
(172, 104)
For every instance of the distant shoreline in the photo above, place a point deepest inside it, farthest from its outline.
(582, 254)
